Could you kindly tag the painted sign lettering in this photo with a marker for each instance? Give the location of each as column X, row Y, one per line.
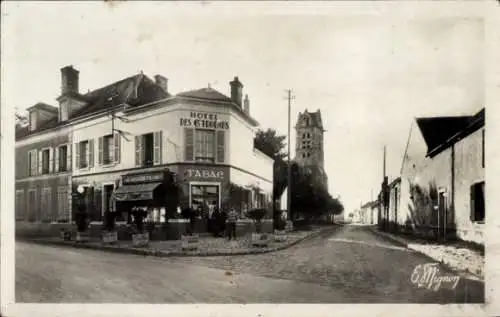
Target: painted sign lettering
column 146, row 178
column 203, row 174
column 204, row 120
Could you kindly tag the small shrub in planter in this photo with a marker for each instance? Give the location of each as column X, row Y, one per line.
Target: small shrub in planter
column 65, row 234
column 189, row 240
column 139, row 238
column 258, row 238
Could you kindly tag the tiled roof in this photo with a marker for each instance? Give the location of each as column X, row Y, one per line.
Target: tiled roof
column 44, row 106
column 438, row 132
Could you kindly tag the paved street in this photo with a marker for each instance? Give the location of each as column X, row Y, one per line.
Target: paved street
column 350, row 265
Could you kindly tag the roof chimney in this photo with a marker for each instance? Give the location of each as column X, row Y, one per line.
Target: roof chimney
column 246, row 105
column 69, row 80
column 162, row 82
column 236, row 91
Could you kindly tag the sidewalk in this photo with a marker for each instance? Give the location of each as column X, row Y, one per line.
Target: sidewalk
column 208, row 246
column 463, row 260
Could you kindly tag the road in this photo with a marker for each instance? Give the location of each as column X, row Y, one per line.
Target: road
column 348, row 265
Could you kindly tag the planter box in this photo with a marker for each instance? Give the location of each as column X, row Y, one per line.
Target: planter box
column 109, row 237
column 280, row 236
column 260, row 239
column 82, row 236
column 140, row 239
column 189, row 242
column 66, row 235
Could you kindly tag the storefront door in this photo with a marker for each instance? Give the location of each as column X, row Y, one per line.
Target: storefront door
column 205, row 197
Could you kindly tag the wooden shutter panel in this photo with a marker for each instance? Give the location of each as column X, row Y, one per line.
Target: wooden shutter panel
column 138, row 150
column 56, row 160
column 77, row 155
column 91, row 153
column 189, row 144
column 117, row 145
column 101, row 153
column 220, row 146
column 157, row 148
column 51, row 160
column 472, row 203
column 40, row 162
column 69, row 156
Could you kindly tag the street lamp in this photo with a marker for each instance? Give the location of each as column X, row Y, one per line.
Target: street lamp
column 80, row 189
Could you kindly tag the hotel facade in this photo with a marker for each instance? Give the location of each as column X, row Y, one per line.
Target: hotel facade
column 121, row 141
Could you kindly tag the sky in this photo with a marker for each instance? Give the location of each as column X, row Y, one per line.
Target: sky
column 370, row 70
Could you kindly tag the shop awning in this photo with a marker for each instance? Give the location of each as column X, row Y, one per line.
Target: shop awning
column 135, row 192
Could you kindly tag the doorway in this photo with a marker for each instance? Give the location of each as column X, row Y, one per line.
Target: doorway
column 205, row 197
column 442, row 216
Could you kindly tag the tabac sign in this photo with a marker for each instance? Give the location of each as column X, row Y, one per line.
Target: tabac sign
column 205, row 173
column 143, row 178
column 204, row 120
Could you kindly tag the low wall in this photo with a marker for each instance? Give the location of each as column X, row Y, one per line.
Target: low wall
column 160, row 231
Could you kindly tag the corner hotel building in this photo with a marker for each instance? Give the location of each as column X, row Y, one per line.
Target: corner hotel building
column 117, row 141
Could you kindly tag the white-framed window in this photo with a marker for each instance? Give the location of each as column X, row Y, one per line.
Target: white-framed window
column 62, row 158
column 33, row 162
column 202, row 145
column 46, row 161
column 84, row 156
column 148, row 148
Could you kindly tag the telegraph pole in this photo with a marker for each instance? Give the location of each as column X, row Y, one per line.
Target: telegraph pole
column 289, row 191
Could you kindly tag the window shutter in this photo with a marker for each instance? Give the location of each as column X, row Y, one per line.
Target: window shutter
column 68, row 156
column 77, row 155
column 157, row 148
column 117, row 145
column 189, row 144
column 56, row 160
column 220, row 146
column 101, row 154
column 472, row 203
column 40, row 162
column 51, row 160
column 138, row 150
column 91, row 153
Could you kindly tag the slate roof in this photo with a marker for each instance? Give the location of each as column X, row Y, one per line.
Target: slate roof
column 205, row 93
column 135, row 91
column 440, row 132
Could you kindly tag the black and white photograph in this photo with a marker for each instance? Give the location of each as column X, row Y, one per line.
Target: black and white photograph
column 209, row 153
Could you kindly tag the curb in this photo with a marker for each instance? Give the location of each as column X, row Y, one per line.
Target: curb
column 440, row 261
column 160, row 253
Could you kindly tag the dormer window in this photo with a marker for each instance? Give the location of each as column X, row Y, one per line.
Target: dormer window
column 33, row 121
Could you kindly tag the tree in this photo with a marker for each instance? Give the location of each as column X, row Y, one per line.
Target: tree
column 21, row 119
column 273, row 145
column 270, row 143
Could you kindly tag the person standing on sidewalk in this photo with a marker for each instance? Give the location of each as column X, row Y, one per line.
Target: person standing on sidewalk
column 232, row 217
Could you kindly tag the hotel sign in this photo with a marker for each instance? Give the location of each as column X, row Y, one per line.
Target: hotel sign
column 143, row 178
column 204, row 120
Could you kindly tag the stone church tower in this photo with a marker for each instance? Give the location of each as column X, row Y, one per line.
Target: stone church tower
column 309, row 150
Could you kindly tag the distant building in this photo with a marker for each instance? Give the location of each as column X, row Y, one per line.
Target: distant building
column 309, row 150
column 442, row 177
column 369, row 213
